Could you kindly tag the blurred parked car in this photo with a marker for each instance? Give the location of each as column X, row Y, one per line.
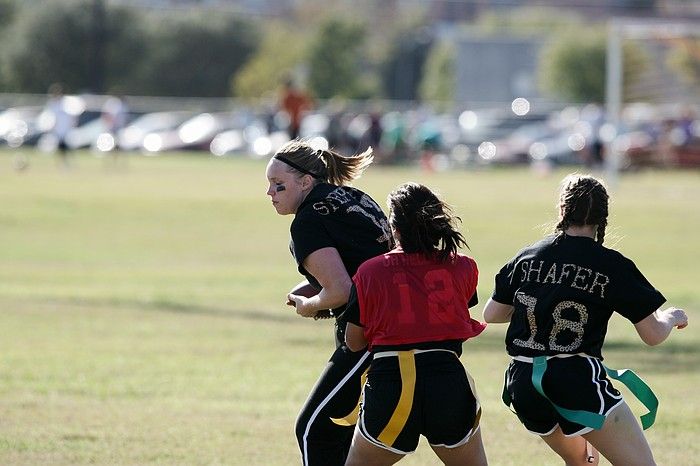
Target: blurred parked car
column 563, row 148
column 515, row 147
column 89, row 134
column 19, row 125
column 196, row 133
column 668, row 143
column 258, row 136
column 132, row 137
column 482, row 126
column 314, row 124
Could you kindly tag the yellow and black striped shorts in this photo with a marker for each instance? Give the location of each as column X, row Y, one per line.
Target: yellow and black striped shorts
column 418, row 392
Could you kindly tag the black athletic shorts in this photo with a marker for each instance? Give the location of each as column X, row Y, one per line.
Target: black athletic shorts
column 577, row 382
column 418, row 392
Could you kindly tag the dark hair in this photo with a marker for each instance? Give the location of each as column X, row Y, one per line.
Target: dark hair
column 583, row 200
column 326, row 165
column 424, row 222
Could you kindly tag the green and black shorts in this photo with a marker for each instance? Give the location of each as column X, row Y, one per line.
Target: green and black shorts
column 574, row 382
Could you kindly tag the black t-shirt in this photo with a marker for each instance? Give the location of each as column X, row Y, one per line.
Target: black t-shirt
column 343, row 218
column 564, row 290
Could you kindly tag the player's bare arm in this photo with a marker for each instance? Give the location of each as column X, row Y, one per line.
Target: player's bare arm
column 656, row 327
column 326, row 265
column 497, row 313
column 355, row 337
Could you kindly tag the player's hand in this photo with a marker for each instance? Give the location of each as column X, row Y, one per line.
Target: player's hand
column 301, row 305
column 678, row 317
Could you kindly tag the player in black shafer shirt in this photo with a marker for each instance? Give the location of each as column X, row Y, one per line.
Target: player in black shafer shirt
column 558, row 296
column 335, row 229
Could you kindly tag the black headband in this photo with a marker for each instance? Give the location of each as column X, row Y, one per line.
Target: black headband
column 284, row 159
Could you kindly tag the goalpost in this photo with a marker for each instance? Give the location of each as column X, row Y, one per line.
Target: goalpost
column 659, row 88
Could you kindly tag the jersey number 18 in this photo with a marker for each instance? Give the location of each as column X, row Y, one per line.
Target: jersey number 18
column 560, row 324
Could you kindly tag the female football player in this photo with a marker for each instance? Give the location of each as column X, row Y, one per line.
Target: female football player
column 335, row 229
column 558, row 296
column 411, row 307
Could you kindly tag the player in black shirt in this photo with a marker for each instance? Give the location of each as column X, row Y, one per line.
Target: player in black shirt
column 335, row 229
column 558, row 296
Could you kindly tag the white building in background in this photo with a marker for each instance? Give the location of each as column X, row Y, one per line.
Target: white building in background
column 495, row 69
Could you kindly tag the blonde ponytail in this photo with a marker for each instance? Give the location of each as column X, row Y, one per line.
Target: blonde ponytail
column 324, row 165
column 343, row 170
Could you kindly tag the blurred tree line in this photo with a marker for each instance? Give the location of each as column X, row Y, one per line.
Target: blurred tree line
column 88, row 46
column 93, row 46
column 353, row 50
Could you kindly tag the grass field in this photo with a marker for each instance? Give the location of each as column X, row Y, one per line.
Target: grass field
column 142, row 316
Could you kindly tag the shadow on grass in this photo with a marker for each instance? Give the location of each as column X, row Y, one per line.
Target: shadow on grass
column 285, row 316
column 312, row 342
column 669, row 357
column 194, row 309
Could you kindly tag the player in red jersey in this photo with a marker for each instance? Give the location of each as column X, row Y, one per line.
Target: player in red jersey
column 557, row 296
column 410, row 306
column 294, row 102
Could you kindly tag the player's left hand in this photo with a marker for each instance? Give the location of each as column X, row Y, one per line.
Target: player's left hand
column 301, row 305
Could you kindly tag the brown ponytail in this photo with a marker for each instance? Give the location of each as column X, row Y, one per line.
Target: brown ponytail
column 583, row 201
column 424, row 222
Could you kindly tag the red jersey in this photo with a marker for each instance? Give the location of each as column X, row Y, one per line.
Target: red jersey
column 410, row 298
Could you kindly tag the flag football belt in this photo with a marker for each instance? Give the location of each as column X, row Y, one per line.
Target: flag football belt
column 587, row 418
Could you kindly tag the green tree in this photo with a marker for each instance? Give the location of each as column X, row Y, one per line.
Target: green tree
column 7, row 13
column 292, row 47
column 573, row 65
column 283, row 49
column 58, row 43
column 194, row 55
column 438, row 83
column 336, row 66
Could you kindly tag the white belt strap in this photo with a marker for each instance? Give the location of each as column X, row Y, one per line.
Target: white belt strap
column 531, row 360
column 386, row 354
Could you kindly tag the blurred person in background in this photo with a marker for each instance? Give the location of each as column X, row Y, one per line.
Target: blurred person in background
column 429, row 142
column 394, row 135
column 336, row 132
column 295, row 103
column 411, row 307
column 686, row 125
column 62, row 121
column 372, row 137
column 335, row 229
column 115, row 114
column 666, row 143
column 558, row 296
column 596, row 152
